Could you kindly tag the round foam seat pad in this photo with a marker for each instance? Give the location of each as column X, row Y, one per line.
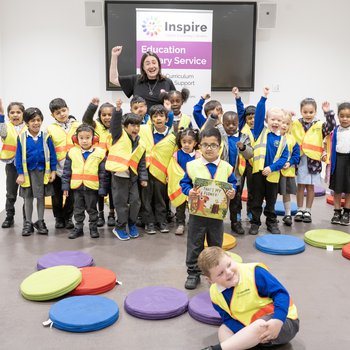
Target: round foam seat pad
column 95, row 280
column 279, row 244
column 50, row 283
column 67, row 257
column 330, row 200
column 228, row 242
column 84, row 313
column 322, row 238
column 235, row 257
column 318, row 190
column 156, row 303
column 346, row 251
column 244, row 195
column 279, row 208
column 201, row 309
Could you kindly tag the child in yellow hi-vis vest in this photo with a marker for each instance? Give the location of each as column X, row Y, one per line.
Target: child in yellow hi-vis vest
column 270, row 155
column 8, row 133
column 254, row 306
column 84, row 173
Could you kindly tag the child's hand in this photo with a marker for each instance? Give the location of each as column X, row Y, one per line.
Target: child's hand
column 324, row 156
column 143, row 183
column 20, row 179
column 52, row 176
column 118, row 104
column 266, row 171
column 272, row 329
column 235, row 92
column 286, row 166
column 95, row 101
column 167, row 105
column 206, row 97
column 65, row 193
column 240, row 145
column 194, row 193
column 326, row 106
column 230, row 194
column 266, row 91
column 1, row 107
column 117, row 50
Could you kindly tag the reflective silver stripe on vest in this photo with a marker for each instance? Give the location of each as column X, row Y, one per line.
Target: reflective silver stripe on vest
column 260, row 145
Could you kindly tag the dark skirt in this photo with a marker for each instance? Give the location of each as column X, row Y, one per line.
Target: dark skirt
column 340, row 179
column 37, row 188
column 287, row 185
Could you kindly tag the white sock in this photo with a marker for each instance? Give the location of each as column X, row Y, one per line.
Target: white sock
column 287, row 208
column 308, row 209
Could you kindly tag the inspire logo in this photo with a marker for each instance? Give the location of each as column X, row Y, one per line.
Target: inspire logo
column 151, row 26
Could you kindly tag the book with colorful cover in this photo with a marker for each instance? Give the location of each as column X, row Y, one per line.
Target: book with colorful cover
column 212, row 201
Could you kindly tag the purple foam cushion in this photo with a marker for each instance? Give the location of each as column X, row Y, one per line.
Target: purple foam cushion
column 67, row 257
column 156, row 303
column 319, row 191
column 201, row 309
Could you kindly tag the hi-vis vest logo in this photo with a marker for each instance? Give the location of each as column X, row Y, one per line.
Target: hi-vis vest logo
column 151, row 26
column 276, row 143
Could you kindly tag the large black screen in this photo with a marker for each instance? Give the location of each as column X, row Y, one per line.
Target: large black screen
column 234, row 26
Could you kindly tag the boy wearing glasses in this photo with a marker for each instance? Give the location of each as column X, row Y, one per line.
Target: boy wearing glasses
column 208, row 166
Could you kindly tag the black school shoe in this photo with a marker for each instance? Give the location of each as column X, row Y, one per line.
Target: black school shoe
column 299, row 216
column 41, row 228
column 94, row 233
column 192, row 281
column 345, row 220
column 75, row 233
column 101, row 219
column 8, row 222
column 28, row 228
column 236, row 227
column 336, row 219
column 60, row 223
column 69, row 224
column 307, row 217
column 273, row 228
column 254, row 229
column 287, row 220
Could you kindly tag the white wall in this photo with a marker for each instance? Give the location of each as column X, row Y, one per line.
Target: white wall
column 47, row 52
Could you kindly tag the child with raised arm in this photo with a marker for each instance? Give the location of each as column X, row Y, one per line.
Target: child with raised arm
column 236, row 149
column 270, row 155
column 9, row 133
column 208, row 166
column 84, row 173
column 309, row 133
column 61, row 132
column 101, row 126
column 36, row 168
column 340, row 165
column 126, row 161
column 210, row 107
column 254, row 306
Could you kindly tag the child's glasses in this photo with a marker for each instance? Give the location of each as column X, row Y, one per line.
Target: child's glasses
column 211, row 146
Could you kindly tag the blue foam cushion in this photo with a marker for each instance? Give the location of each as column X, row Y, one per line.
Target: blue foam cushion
column 279, row 208
column 280, row 244
column 84, row 313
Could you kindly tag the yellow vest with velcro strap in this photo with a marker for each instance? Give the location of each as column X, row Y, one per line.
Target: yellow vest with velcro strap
column 246, row 304
column 260, row 154
column 311, row 141
column 157, row 155
column 105, row 141
column 62, row 140
column 9, row 145
column 290, row 172
column 47, row 171
column 197, row 169
column 121, row 156
column 85, row 172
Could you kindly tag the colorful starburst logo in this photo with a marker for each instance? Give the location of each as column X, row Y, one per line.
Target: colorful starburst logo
column 151, row 26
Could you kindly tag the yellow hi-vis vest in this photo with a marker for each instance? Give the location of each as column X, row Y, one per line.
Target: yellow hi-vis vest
column 47, row 172
column 9, row 146
column 121, row 156
column 241, row 160
column 311, row 141
column 105, row 141
column 290, row 172
column 157, row 155
column 328, row 144
column 260, row 154
column 175, row 175
column 247, row 305
column 62, row 140
column 85, row 171
column 197, row 169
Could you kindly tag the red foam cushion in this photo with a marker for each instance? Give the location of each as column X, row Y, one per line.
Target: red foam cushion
column 346, row 251
column 330, row 200
column 244, row 196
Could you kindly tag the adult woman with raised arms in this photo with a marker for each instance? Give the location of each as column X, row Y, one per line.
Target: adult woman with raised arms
column 148, row 84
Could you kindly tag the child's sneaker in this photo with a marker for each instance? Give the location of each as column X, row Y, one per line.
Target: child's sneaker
column 8, row 222
column 111, row 220
column 41, row 228
column 287, row 219
column 273, row 228
column 345, row 219
column 254, row 229
column 163, row 227
column 28, row 228
column 180, row 230
column 133, row 231
column 192, row 281
column 150, row 229
column 121, row 234
column 299, row 216
column 336, row 219
column 236, row 227
column 75, row 233
column 94, row 233
column 307, row 217
column 101, row 219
